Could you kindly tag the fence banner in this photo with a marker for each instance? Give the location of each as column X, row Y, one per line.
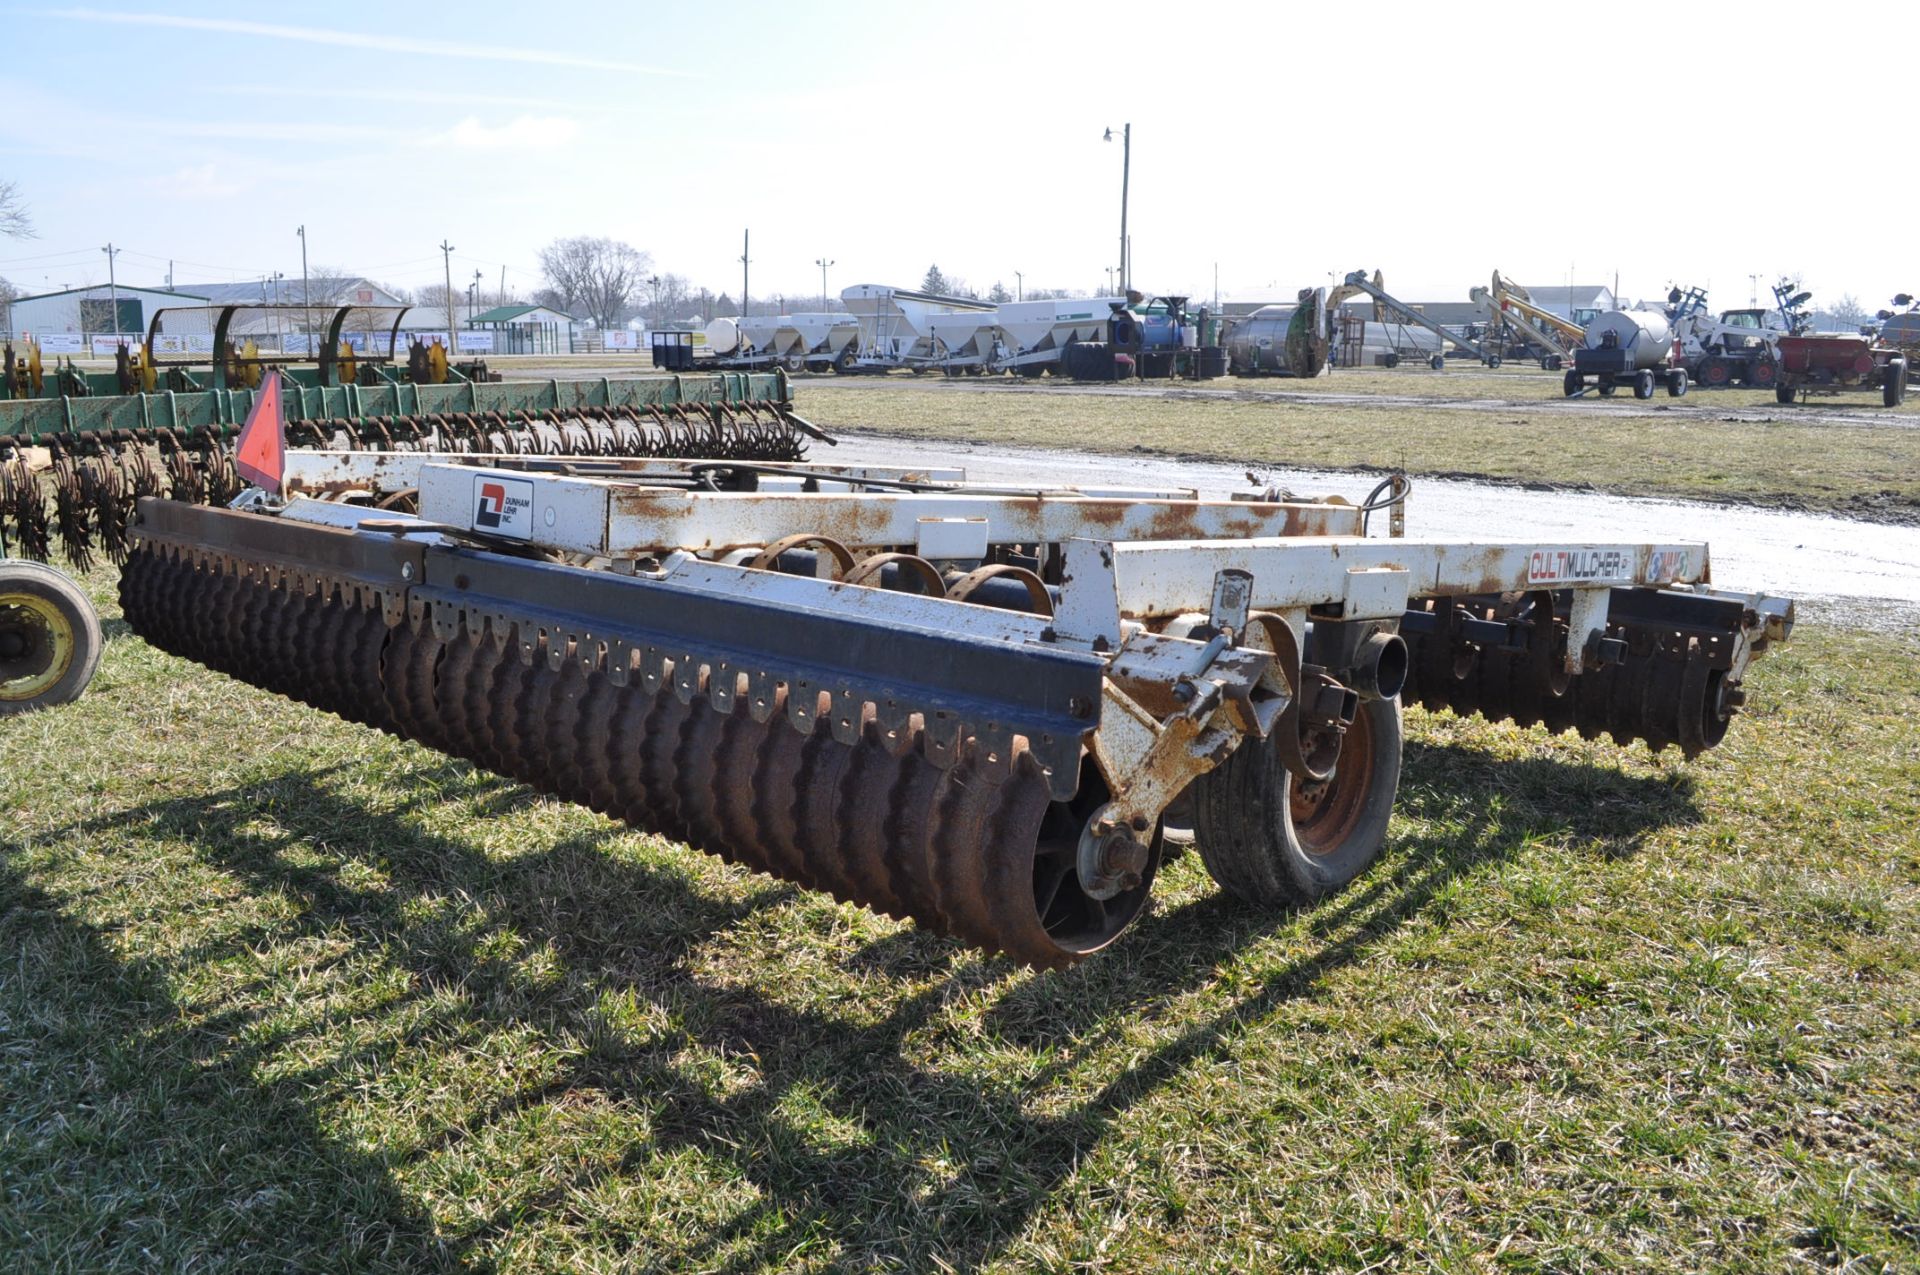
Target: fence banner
column 622, row 339
column 476, row 343
column 60, row 343
column 104, row 346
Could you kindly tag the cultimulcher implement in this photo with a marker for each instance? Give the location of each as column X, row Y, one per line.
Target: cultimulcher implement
column 970, row 706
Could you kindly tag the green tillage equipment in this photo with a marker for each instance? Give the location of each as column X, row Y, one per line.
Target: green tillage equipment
column 72, row 468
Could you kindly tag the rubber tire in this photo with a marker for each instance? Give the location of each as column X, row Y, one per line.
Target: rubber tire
column 1608, row 389
column 1893, row 389
column 1677, row 383
column 1643, row 385
column 1573, row 384
column 36, row 579
column 1783, row 393
column 1260, row 860
column 1438, row 363
column 1716, row 373
column 1762, row 373
column 1392, row 359
column 1493, row 364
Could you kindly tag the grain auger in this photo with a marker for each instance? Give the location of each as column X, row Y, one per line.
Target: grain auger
column 969, row 706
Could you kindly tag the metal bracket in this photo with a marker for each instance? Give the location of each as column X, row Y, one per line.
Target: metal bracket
column 1587, row 629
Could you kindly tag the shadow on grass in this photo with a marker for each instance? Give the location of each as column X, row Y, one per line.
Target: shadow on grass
column 136, row 1139
column 948, row 1168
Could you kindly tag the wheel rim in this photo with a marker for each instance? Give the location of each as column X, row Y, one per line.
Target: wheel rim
column 1326, row 814
column 1075, row 921
column 36, row 646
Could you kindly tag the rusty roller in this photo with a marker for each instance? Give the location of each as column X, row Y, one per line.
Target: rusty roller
column 972, row 845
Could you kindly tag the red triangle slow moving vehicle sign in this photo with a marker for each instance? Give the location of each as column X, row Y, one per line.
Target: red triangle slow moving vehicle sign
column 260, row 453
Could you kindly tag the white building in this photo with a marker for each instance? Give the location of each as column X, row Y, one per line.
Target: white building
column 62, row 322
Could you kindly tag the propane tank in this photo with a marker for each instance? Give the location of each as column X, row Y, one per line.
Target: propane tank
column 1645, row 335
column 723, row 336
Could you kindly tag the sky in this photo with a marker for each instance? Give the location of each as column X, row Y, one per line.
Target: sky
column 1277, row 144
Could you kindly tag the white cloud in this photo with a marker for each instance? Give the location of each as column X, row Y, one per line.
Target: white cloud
column 523, row 132
column 362, row 40
column 197, row 181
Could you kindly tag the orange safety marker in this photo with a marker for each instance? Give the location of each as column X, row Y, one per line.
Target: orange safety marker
column 261, row 452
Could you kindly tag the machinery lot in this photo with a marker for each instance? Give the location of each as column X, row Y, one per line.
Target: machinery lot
column 1505, row 426
column 333, row 1000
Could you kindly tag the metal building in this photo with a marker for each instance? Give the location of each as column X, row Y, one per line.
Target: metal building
column 65, row 322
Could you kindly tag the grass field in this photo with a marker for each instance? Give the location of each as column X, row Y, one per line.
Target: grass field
column 279, row 993
column 1873, row 471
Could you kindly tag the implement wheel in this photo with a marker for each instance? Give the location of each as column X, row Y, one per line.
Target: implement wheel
column 1783, row 393
column 1893, row 385
column 49, row 637
column 1268, row 839
column 1573, row 383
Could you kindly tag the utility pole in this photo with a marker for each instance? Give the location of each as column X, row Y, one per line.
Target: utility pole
column 1019, row 286
column 746, row 237
column 473, row 297
column 1126, row 174
column 113, row 287
column 446, row 254
column 823, row 263
column 306, row 298
column 1753, row 297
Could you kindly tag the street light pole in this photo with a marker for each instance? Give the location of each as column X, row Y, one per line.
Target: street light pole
column 823, row 263
column 746, row 239
column 306, row 299
column 1126, row 175
column 446, row 254
column 1019, row 286
column 113, row 287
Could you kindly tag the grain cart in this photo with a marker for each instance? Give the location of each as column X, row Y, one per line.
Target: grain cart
column 962, row 705
column 1635, row 348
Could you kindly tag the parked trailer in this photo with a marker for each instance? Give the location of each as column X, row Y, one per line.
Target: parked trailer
column 1032, row 334
column 793, row 342
column 1635, row 348
column 1832, row 363
column 967, row 707
column 895, row 325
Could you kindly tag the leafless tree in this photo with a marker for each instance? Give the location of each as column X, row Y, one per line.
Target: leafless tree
column 7, row 293
column 14, row 222
column 597, row 278
column 668, row 298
